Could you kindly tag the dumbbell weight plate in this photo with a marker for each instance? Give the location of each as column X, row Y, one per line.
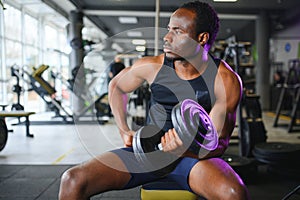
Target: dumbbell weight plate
column 194, row 126
column 205, row 128
column 186, row 130
column 243, row 166
column 184, row 134
column 277, row 153
column 145, row 147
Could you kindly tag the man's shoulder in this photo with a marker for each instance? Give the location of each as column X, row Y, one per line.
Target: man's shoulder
column 149, row 60
column 147, row 67
column 228, row 74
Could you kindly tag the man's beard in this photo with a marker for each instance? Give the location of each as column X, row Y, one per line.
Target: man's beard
column 180, row 58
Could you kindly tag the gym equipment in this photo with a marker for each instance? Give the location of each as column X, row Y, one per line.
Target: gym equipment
column 16, row 88
column 292, row 85
column 252, row 127
column 3, row 128
column 238, row 55
column 43, row 89
column 47, row 92
column 145, row 147
column 291, row 193
column 98, row 106
column 245, row 167
column 277, row 153
column 3, row 133
column 193, row 127
column 280, row 157
column 165, row 190
column 18, row 114
column 101, row 107
column 139, row 106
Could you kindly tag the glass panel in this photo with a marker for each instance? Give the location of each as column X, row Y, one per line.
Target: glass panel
column 63, row 43
column 31, row 30
column 50, row 38
column 31, row 56
column 13, row 53
column 12, row 23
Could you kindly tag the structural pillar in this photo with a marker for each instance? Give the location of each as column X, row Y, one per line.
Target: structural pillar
column 263, row 63
column 76, row 58
column 157, row 12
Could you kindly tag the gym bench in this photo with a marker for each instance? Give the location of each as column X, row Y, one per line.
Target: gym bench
column 19, row 113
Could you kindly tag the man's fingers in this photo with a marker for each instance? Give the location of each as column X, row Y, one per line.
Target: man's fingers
column 171, row 141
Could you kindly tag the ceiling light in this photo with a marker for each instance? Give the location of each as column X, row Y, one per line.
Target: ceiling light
column 140, row 48
column 127, row 20
column 138, row 42
column 225, row 0
column 134, row 34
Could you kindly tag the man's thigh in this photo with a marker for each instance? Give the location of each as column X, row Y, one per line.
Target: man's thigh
column 212, row 177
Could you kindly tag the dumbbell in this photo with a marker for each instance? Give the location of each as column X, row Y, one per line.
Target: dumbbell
column 146, row 150
column 193, row 126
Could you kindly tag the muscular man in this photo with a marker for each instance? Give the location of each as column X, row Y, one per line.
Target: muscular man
column 185, row 70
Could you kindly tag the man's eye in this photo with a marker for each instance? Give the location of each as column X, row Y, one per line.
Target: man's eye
column 178, row 32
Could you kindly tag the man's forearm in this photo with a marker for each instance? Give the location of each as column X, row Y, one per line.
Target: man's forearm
column 117, row 106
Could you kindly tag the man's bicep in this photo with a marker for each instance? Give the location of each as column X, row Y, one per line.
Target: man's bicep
column 224, row 120
column 228, row 93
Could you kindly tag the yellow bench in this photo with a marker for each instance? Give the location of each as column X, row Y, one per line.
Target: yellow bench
column 165, row 191
column 19, row 113
column 167, row 195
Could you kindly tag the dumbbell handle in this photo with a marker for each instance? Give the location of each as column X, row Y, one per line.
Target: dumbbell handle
column 160, row 147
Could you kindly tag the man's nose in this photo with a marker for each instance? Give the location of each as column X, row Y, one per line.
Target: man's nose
column 167, row 37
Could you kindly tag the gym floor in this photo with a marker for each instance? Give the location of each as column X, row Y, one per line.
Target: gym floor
column 30, row 168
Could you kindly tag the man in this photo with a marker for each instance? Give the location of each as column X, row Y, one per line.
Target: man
column 191, row 31
column 115, row 67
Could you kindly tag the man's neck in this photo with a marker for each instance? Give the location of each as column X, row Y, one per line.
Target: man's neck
column 198, row 61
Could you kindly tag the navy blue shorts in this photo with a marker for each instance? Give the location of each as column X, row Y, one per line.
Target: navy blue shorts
column 179, row 175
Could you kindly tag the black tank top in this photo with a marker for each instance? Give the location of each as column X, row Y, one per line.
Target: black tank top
column 168, row 89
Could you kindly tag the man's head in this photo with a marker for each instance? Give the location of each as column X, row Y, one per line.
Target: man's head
column 118, row 59
column 191, row 26
column 206, row 21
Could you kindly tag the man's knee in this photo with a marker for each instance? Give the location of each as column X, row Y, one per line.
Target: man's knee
column 72, row 182
column 237, row 191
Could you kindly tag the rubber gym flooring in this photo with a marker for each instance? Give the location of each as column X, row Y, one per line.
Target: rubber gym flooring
column 30, row 168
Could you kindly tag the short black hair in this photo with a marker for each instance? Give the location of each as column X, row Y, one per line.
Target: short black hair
column 207, row 19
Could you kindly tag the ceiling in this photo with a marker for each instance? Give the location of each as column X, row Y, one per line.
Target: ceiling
column 236, row 18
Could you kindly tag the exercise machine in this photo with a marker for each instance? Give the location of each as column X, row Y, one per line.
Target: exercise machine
column 43, row 89
column 290, row 88
column 47, row 92
column 17, row 88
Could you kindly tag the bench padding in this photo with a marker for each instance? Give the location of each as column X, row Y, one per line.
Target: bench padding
column 15, row 113
column 19, row 113
column 167, row 195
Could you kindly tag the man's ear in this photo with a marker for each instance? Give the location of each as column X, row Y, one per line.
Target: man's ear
column 203, row 38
